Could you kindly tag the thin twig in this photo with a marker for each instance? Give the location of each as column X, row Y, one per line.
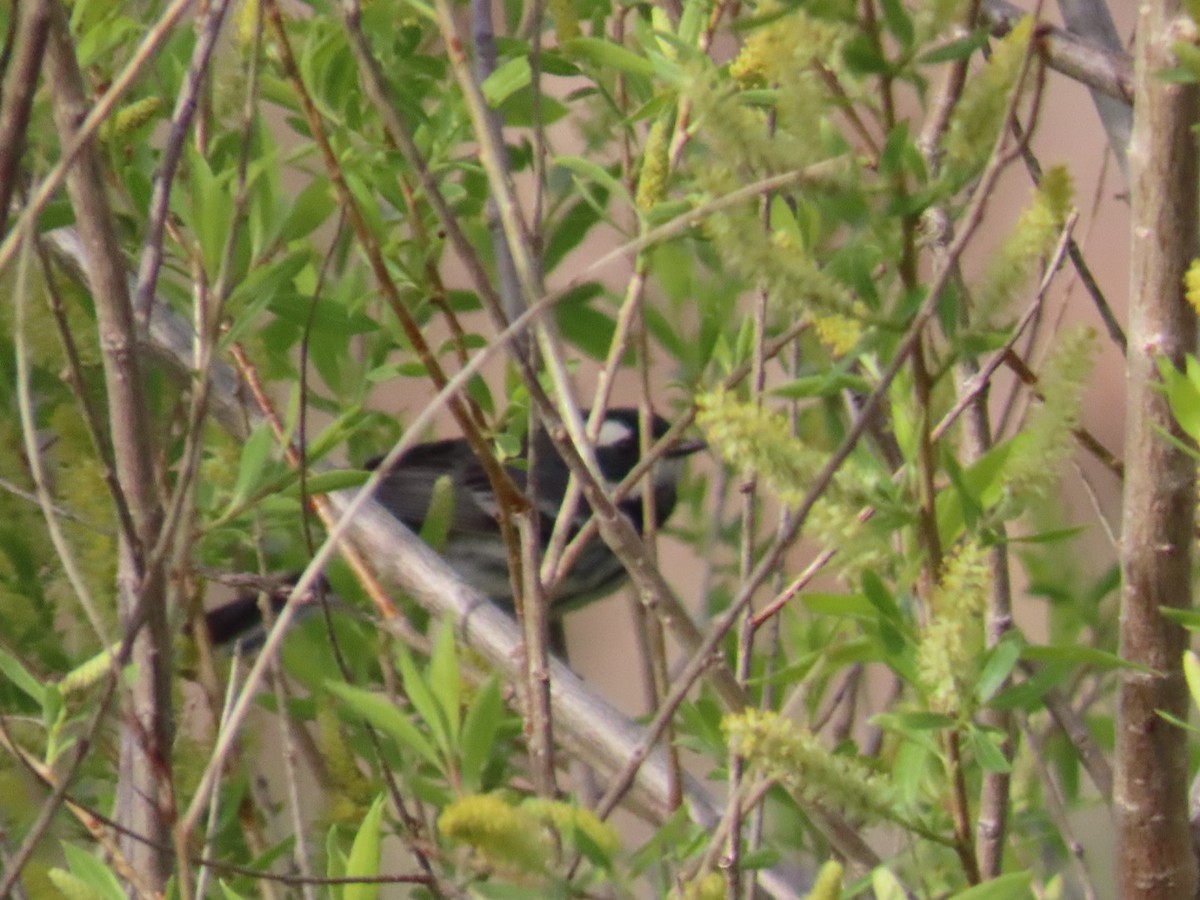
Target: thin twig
column 209, row 29
column 86, row 129
column 28, row 29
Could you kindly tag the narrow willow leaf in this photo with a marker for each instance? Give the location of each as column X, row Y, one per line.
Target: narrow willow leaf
column 480, row 727
column 364, row 855
column 445, row 680
column 608, row 55
column 506, row 80
column 11, row 667
column 379, row 712
column 419, row 694
column 93, row 872
column 1191, row 671
column 1015, row 886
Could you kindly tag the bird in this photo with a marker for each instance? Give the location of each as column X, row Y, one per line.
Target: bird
column 473, row 544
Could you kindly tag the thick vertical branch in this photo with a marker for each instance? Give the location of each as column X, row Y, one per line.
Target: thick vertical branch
column 16, row 98
column 144, row 800
column 1156, row 858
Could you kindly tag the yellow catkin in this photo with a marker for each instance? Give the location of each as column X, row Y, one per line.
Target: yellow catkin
column 778, row 748
column 135, row 115
column 565, row 817
column 829, row 882
column 1191, row 283
column 652, row 185
column 566, row 20
column 949, row 655
column 504, row 835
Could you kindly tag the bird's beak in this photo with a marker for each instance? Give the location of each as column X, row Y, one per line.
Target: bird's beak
column 686, row 448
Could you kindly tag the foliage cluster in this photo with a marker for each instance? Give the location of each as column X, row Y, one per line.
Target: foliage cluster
column 793, row 217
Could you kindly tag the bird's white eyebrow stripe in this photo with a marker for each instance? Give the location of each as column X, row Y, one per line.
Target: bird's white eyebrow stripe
column 613, row 432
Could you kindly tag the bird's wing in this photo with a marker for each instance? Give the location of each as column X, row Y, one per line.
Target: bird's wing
column 408, row 488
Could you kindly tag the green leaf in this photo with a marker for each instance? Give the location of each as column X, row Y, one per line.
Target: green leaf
column 480, row 727
column 506, row 80
column 828, row 383
column 335, row 858
column 308, row 211
column 854, row 605
column 228, row 892
column 986, row 746
column 326, row 482
column 1183, row 393
column 93, row 872
column 72, row 887
column 1078, row 654
column 913, row 722
column 378, row 710
column 898, row 21
column 1188, row 70
column 1001, row 661
column 1188, row 618
column 1178, row 722
column 211, row 211
column 589, row 171
column 582, row 324
column 608, row 55
column 1191, row 671
column 952, row 51
column 22, row 677
column 881, row 598
column 1052, row 536
column 421, row 697
column 445, row 678
column 862, row 57
column 256, row 454
column 435, row 528
column 978, row 487
column 886, row 886
column 363, row 861
column 1015, row 886
column 1029, row 693
column 570, row 229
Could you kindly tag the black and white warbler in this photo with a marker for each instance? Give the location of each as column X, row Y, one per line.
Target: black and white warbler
column 473, row 545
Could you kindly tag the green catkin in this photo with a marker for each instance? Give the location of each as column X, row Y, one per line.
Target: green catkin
column 135, row 115
column 565, row 818
column 652, row 185
column 1046, row 440
column 709, row 886
column 980, row 113
column 951, row 644
column 566, row 19
column 502, row 834
column 778, row 748
column 756, row 440
column 829, row 882
column 1191, row 284
column 1031, row 240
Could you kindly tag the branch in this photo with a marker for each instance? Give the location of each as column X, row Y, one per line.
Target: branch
column 144, row 789
column 1155, row 858
column 1109, row 73
column 17, row 99
column 599, row 734
column 1091, row 21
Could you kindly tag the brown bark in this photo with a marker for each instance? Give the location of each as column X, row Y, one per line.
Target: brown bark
column 1155, row 852
column 144, row 802
column 16, row 100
